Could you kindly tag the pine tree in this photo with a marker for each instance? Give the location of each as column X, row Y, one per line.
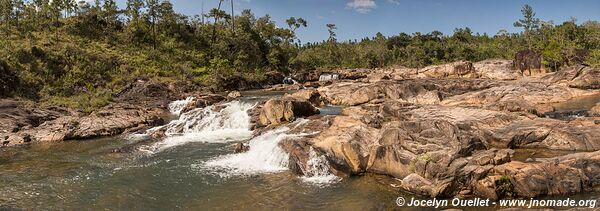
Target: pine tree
column 529, row 23
column 168, row 17
column 133, row 10
column 331, row 29
column 19, row 8
column 70, row 6
column 153, row 15
column 55, row 11
column 6, row 7
column 216, row 13
column 110, row 12
column 294, row 24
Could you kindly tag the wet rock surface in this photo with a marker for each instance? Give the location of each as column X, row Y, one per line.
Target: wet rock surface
column 446, row 137
column 241, row 147
column 234, row 95
column 204, row 101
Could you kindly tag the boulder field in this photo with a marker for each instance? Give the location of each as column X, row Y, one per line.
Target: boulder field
column 450, row 130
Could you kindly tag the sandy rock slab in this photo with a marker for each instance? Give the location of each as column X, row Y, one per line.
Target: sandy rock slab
column 47, row 125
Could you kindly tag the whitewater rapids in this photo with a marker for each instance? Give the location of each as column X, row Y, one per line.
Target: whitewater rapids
column 230, row 122
column 224, row 123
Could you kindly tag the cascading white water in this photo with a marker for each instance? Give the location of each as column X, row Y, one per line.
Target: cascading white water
column 264, row 156
column 318, row 171
column 328, row 77
column 177, row 106
column 230, row 122
column 229, row 116
column 213, row 124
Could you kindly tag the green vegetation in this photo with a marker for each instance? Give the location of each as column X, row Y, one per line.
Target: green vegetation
column 504, row 186
column 424, row 157
column 76, row 54
column 557, row 42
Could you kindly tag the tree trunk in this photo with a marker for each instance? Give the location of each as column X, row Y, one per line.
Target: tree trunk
column 153, row 32
column 214, row 34
column 56, row 28
column 17, row 20
column 232, row 19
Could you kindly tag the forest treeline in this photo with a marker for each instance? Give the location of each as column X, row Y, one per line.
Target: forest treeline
column 79, row 54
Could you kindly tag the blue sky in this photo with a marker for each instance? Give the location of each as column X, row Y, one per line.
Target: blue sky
column 356, row 19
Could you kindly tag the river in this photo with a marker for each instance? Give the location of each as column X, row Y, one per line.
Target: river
column 194, row 168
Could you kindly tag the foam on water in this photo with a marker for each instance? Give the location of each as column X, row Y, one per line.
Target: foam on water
column 225, row 123
column 232, row 116
column 230, row 122
column 264, row 156
column 318, row 170
column 329, row 77
column 177, row 106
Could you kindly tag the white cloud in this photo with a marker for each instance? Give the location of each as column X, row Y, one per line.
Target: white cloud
column 362, row 6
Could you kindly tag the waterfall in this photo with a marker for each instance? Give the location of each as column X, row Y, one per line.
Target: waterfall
column 264, row 156
column 213, row 124
column 328, row 77
column 230, row 122
column 231, row 116
column 176, row 107
column 318, row 171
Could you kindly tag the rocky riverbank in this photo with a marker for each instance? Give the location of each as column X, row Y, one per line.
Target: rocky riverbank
column 139, row 106
column 451, row 130
column 444, row 131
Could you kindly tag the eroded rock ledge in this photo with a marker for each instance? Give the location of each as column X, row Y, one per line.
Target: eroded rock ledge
column 57, row 124
column 140, row 105
column 454, row 137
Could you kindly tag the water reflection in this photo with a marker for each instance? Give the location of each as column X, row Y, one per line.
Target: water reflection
column 574, row 108
column 330, row 110
column 578, row 103
column 88, row 175
column 84, row 175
